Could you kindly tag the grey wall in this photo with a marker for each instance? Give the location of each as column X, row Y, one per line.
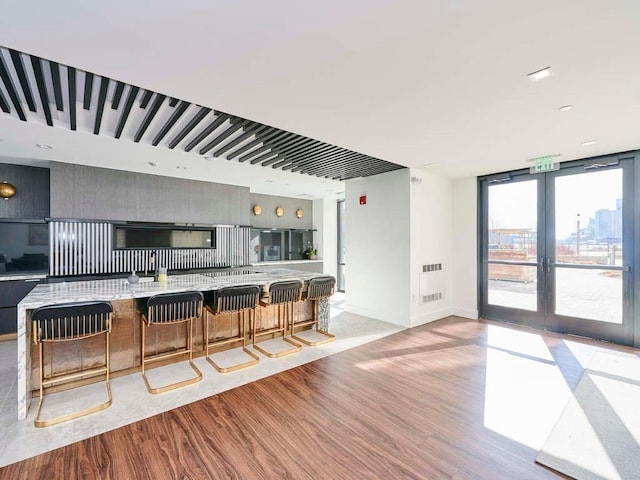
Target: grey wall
column 32, row 192
column 268, row 217
column 96, row 193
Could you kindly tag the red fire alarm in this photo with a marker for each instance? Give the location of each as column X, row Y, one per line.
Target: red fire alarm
column 363, row 199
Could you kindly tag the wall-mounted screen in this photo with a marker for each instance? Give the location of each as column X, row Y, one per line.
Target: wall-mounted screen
column 24, row 247
column 132, row 236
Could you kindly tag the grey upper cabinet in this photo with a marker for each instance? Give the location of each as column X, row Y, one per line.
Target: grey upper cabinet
column 96, row 193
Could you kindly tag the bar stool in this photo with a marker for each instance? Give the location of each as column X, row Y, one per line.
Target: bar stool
column 319, row 288
column 283, row 295
column 171, row 309
column 65, row 323
column 240, row 300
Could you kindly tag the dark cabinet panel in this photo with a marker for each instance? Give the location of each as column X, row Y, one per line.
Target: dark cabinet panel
column 8, row 320
column 11, row 293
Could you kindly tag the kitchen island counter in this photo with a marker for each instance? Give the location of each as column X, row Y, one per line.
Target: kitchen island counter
column 119, row 289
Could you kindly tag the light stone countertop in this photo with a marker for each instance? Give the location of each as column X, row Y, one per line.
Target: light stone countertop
column 119, row 289
column 25, row 276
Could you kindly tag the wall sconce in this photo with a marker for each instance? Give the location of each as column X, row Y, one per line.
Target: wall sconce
column 299, row 213
column 7, row 190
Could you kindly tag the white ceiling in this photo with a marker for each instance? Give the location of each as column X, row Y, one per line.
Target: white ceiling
column 438, row 83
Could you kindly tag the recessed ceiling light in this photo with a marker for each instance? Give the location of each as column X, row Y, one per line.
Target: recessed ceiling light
column 209, row 157
column 43, row 146
column 153, row 164
column 589, row 142
column 181, row 167
column 540, row 74
column 268, row 181
column 565, row 108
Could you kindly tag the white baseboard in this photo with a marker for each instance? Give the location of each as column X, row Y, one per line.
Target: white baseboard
column 464, row 312
column 376, row 314
column 430, row 316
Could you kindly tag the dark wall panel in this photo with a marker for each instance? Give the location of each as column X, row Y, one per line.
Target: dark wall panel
column 96, row 193
column 32, row 192
column 268, row 217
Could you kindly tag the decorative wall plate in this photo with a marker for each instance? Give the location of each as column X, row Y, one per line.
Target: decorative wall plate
column 279, row 211
column 299, row 213
column 257, row 209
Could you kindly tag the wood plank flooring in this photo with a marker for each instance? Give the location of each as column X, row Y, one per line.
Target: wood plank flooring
column 408, row 406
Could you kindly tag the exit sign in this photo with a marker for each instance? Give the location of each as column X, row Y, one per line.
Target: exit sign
column 545, row 164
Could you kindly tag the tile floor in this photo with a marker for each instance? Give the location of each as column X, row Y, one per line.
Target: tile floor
column 132, row 402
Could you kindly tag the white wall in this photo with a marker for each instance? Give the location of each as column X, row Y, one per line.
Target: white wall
column 431, row 240
column 465, row 261
column 325, row 220
column 378, row 247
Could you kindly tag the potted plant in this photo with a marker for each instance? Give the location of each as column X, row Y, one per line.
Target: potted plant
column 311, row 252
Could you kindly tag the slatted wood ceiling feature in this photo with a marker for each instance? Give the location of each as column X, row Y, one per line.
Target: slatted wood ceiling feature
column 42, row 91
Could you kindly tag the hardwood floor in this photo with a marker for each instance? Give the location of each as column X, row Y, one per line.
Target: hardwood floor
column 411, row 405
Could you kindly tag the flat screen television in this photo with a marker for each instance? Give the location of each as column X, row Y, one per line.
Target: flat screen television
column 24, row 247
column 143, row 236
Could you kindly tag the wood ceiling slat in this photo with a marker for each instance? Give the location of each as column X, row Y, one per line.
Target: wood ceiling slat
column 311, row 155
column 57, row 85
column 88, row 87
column 13, row 95
column 117, row 95
column 279, row 164
column 289, row 146
column 266, row 134
column 3, row 104
column 133, row 92
column 71, row 81
column 157, row 103
column 326, row 160
column 203, row 112
column 281, row 140
column 146, row 98
column 209, row 129
column 252, row 129
column 16, row 58
column 280, row 158
column 175, row 116
column 36, row 63
column 102, row 97
column 224, row 135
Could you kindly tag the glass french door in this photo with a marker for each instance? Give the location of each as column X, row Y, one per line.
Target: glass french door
column 557, row 249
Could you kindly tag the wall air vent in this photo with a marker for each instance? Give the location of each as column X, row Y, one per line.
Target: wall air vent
column 432, row 282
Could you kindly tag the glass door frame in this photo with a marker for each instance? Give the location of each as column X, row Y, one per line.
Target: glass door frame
column 617, row 333
column 340, row 280
column 544, row 317
column 535, row 318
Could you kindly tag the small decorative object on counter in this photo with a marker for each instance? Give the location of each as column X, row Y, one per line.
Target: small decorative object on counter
column 311, row 252
column 133, row 278
column 162, row 275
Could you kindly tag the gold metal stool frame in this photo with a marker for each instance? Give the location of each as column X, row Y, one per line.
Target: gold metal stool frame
column 64, row 323
column 240, row 299
column 171, row 309
column 318, row 288
column 283, row 295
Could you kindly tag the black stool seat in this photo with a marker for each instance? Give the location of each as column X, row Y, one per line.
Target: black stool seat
column 71, row 322
column 283, row 295
column 319, row 288
column 168, row 309
column 240, row 300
